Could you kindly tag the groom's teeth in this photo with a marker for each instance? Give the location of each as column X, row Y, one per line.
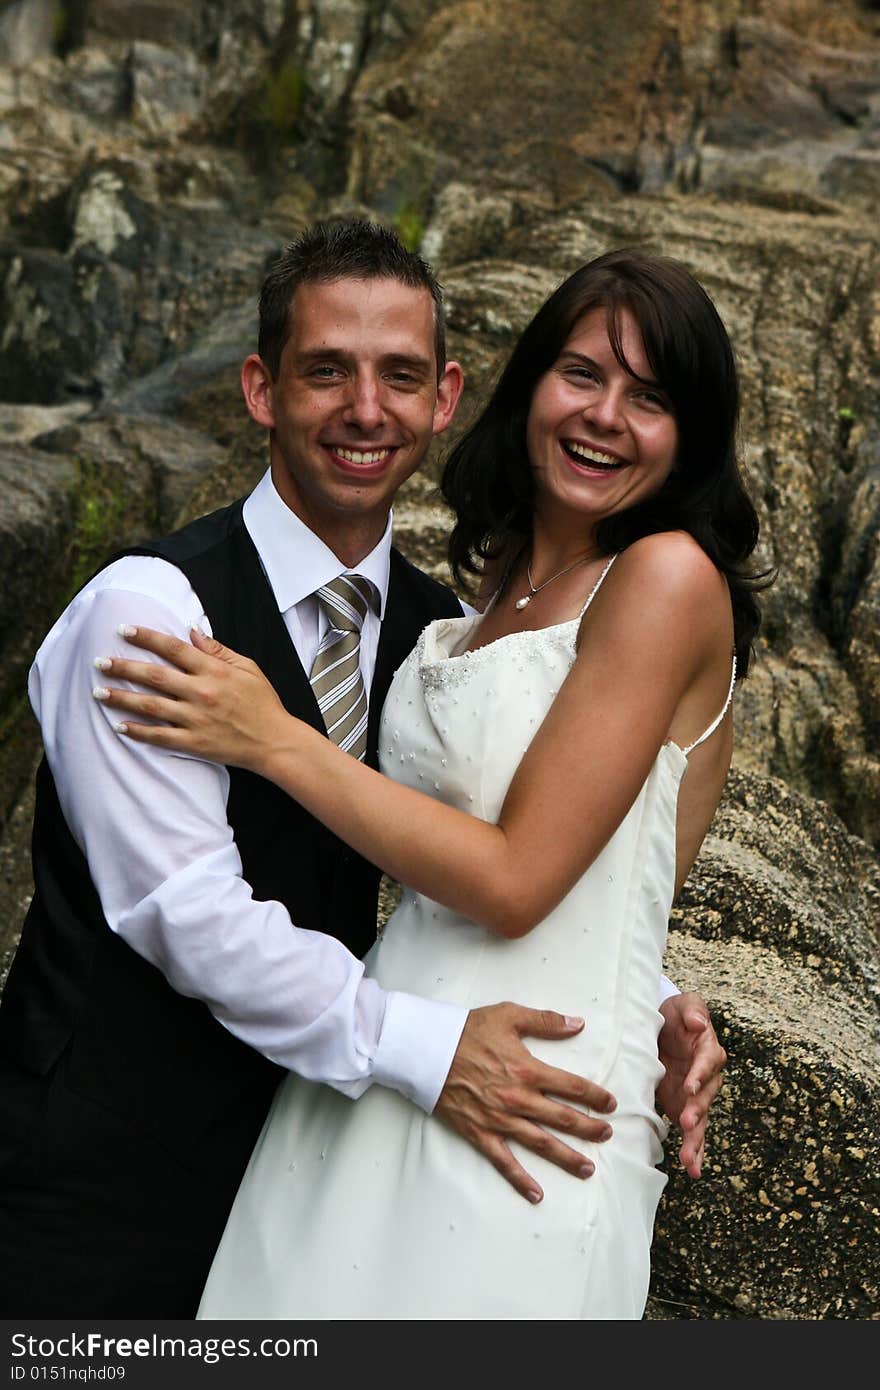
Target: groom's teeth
column 358, row 456
column 593, row 455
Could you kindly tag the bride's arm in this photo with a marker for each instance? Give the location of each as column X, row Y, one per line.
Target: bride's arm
column 660, row 623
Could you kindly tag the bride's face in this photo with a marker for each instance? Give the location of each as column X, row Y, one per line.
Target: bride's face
column 599, row 439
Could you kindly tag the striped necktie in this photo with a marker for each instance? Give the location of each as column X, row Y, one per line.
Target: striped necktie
column 336, row 671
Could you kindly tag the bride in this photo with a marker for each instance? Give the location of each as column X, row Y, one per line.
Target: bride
column 551, row 767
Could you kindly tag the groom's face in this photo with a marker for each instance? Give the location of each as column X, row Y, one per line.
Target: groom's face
column 355, row 404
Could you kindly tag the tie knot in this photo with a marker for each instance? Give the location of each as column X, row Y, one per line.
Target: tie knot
column 345, row 601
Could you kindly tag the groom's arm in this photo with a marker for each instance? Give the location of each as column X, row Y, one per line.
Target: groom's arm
column 163, row 858
column 153, row 827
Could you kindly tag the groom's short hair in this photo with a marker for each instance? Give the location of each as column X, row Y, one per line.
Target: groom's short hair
column 335, row 250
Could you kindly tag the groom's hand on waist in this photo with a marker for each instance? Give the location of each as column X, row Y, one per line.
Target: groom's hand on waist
column 693, row 1059
column 496, row 1091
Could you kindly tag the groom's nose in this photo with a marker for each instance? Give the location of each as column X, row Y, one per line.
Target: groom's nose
column 364, row 406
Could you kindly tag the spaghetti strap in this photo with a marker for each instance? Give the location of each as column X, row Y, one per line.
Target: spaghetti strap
column 598, row 584
column 718, row 718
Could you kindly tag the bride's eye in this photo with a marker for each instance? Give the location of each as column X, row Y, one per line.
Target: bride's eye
column 653, row 398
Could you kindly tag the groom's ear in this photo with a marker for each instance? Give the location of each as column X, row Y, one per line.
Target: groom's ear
column 257, row 384
column 449, row 389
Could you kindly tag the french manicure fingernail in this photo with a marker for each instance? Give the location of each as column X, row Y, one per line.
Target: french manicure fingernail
column 102, row 663
column 100, row 692
column 126, row 630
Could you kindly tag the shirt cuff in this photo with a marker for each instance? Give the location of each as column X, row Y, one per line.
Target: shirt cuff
column 667, row 990
column 417, row 1044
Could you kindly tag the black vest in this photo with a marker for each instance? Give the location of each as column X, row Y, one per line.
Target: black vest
column 136, row 1044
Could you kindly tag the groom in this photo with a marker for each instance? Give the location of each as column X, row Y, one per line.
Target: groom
column 193, row 933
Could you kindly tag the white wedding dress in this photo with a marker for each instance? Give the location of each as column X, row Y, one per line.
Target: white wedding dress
column 371, row 1209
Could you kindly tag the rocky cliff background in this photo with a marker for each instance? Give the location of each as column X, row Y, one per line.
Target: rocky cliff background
column 155, row 155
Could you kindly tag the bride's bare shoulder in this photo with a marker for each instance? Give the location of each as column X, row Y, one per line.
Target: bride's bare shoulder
column 672, row 566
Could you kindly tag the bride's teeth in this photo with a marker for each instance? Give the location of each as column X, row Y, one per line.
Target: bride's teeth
column 357, row 456
column 592, row 455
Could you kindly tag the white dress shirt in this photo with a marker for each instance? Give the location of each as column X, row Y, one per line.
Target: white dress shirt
column 152, row 824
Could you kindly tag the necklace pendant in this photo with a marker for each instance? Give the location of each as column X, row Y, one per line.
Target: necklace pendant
column 521, row 602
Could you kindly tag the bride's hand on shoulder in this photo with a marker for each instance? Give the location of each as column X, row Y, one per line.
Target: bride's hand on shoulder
column 211, row 702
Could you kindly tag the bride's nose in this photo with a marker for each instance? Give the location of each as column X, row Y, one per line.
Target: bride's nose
column 605, row 408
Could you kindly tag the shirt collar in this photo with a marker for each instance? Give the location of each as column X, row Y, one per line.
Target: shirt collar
column 296, row 561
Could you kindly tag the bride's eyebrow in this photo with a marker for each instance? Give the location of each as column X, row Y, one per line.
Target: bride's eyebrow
column 568, row 354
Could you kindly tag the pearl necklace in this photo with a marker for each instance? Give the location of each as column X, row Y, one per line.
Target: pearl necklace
column 526, row 599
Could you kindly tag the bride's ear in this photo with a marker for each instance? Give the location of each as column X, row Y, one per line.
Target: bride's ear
column 257, row 387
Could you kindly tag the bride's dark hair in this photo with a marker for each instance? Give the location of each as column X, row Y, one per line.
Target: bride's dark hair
column 488, row 478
